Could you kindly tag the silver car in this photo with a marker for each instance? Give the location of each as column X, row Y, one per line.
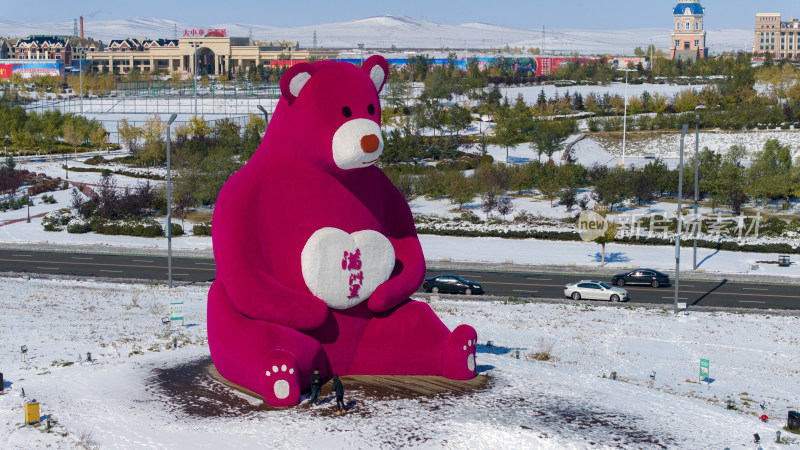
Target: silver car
column 594, row 290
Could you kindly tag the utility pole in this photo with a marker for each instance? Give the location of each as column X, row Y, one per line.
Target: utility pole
column 266, row 116
column 680, row 220
column 696, row 180
column 194, row 45
column 169, row 202
column 80, row 77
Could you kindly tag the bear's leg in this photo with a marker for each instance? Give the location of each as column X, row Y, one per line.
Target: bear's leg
column 411, row 340
column 273, row 360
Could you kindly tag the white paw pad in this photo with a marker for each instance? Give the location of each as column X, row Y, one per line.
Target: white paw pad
column 470, row 347
column 281, row 387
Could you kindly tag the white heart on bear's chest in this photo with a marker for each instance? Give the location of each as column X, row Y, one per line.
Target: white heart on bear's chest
column 345, row 269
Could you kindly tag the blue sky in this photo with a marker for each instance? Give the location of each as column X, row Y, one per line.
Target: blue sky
column 529, row 14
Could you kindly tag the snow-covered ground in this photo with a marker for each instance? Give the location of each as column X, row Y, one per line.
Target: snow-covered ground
column 607, row 149
column 136, row 394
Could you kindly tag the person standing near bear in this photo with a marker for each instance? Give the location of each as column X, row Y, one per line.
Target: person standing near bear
column 338, row 389
column 315, row 387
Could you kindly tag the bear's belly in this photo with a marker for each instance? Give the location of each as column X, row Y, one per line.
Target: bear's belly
column 345, row 269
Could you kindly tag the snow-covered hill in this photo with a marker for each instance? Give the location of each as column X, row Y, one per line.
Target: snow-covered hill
column 399, row 31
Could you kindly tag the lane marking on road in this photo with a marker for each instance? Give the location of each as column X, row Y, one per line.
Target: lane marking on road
column 180, row 274
column 141, row 260
column 79, row 257
column 750, row 301
column 687, row 285
column 685, row 292
column 111, row 271
column 540, row 279
column 520, row 290
column 24, row 256
column 205, row 264
column 754, row 289
column 105, row 265
column 48, row 268
column 679, row 298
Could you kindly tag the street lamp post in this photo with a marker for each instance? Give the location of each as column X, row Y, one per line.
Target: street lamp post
column 266, row 116
column 680, row 220
column 195, row 45
column 696, row 180
column 80, row 76
column 169, row 202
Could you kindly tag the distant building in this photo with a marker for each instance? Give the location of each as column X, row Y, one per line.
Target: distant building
column 216, row 54
column 775, row 37
column 688, row 35
column 43, row 47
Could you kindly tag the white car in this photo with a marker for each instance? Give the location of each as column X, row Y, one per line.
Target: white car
column 594, row 290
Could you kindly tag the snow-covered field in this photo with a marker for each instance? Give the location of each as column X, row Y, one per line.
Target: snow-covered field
column 135, row 392
column 607, row 149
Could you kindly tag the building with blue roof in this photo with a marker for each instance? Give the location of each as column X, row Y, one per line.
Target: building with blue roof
column 688, row 34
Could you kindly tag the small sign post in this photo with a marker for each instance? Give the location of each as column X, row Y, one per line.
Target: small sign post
column 176, row 312
column 705, row 371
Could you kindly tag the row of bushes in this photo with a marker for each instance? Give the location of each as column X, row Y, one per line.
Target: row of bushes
column 573, row 236
column 751, row 118
column 58, row 220
column 14, row 203
column 109, row 172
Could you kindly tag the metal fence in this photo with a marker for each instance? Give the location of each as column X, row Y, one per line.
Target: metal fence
column 205, row 105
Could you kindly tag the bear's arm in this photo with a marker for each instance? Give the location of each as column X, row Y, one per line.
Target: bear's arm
column 410, row 268
column 255, row 292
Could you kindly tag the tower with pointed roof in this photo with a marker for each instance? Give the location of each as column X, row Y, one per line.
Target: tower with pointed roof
column 688, row 35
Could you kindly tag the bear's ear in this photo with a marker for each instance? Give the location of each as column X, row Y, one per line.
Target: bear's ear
column 378, row 70
column 294, row 79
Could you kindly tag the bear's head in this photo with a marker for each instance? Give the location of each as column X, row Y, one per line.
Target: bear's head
column 332, row 112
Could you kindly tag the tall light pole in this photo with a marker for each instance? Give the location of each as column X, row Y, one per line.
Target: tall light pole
column 80, row 77
column 696, row 180
column 680, row 220
column 266, row 116
column 169, row 202
column 195, row 45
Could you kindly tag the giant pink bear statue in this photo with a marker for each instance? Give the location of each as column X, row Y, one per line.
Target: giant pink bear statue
column 317, row 253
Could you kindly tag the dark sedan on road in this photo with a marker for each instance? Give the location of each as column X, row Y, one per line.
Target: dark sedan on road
column 451, row 284
column 650, row 277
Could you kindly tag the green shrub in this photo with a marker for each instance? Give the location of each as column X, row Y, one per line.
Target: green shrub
column 95, row 160
column 202, row 229
column 49, row 199
column 77, row 227
column 471, row 217
column 56, row 220
column 176, row 229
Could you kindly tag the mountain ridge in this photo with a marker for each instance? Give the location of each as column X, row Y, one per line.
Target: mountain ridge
column 391, row 30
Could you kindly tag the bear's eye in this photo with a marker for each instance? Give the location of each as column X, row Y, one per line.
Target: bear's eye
column 346, row 112
column 371, row 109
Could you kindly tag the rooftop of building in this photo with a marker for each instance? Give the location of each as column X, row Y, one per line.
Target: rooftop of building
column 693, row 7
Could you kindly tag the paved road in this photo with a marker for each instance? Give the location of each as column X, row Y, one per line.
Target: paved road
column 722, row 293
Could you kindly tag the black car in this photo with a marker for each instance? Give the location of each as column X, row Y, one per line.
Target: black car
column 641, row 276
column 451, row 284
